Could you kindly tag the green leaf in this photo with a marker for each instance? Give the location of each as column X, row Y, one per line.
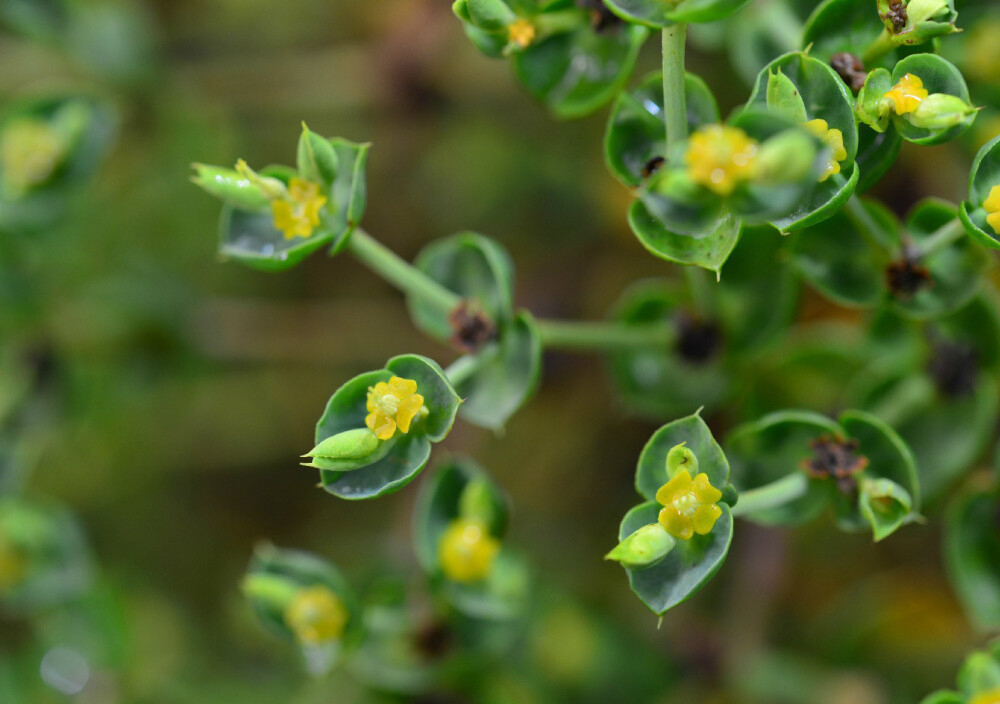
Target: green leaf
column 397, row 468
column 574, row 73
column 685, row 569
column 708, row 252
column 475, row 267
column 490, row 15
column 783, row 97
column 983, row 178
column 885, row 505
column 316, row 160
column 971, row 544
column 768, row 450
column 877, row 152
column 635, row 135
column 501, row 385
column 349, row 193
column 252, row 239
column 944, row 697
column 663, row 382
column 868, row 106
column 979, row 673
column 651, row 472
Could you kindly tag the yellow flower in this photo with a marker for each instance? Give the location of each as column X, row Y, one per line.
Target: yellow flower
column 832, row 138
column 521, row 32
column 467, row 550
column 992, row 205
column 907, row 95
column 316, row 615
column 12, row 565
column 297, row 214
column 393, row 404
column 990, row 697
column 30, row 152
column 689, row 505
column 719, row 157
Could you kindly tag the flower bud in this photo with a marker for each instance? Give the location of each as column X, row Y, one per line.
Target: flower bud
column 643, row 548
column 786, row 158
column 351, row 449
column 941, row 111
column 679, row 458
column 230, row 186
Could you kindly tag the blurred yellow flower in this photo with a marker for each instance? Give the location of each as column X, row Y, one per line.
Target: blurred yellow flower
column 719, row 157
column 30, row 152
column 992, row 205
column 907, row 95
column 467, row 550
column 316, row 615
column 990, row 697
column 521, row 32
column 297, row 214
column 393, row 404
column 689, row 505
column 832, row 138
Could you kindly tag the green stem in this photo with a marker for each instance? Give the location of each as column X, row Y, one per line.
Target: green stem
column 468, row 364
column 882, row 45
column 399, row 272
column 674, row 101
column 862, row 219
column 773, row 495
column 942, row 237
column 604, row 336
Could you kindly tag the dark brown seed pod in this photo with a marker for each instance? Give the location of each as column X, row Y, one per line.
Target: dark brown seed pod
column 850, row 68
column 471, row 327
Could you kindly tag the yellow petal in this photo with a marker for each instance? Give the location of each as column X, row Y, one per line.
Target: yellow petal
column 466, row 550
column 407, row 410
column 704, row 491
column 316, row 615
column 382, row 425
column 907, row 95
column 994, row 222
column 704, row 518
column 676, row 523
column 284, row 219
column 992, row 202
column 402, row 387
column 680, row 484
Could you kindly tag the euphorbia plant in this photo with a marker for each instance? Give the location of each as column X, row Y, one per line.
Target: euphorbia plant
column 765, row 198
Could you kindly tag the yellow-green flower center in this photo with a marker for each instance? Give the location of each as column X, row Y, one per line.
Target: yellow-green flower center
column 391, row 405
column 689, row 505
column 297, row 214
column 907, row 94
column 316, row 615
column 467, row 551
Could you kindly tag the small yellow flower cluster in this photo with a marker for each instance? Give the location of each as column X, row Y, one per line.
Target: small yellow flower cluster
column 907, row 94
column 720, row 157
column 690, row 505
column 521, row 32
column 30, row 152
column 832, row 138
column 297, row 215
column 391, row 405
column 12, row 565
column 316, row 615
column 992, row 206
column 466, row 550
column 990, row 697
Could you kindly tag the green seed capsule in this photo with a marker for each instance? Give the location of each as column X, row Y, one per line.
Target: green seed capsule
column 940, row 111
column 351, row 449
column 681, row 457
column 230, row 186
column 644, row 548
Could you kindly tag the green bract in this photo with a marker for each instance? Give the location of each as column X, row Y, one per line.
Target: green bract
column 939, row 77
column 803, row 88
column 405, row 454
column 562, row 57
column 863, row 257
column 247, row 230
column 49, row 147
column 856, row 466
column 462, row 489
column 503, row 361
column 689, row 564
column 983, row 178
column 660, row 13
column 273, row 579
column 971, row 545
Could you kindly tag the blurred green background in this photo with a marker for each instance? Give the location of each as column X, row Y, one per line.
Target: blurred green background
column 175, row 394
